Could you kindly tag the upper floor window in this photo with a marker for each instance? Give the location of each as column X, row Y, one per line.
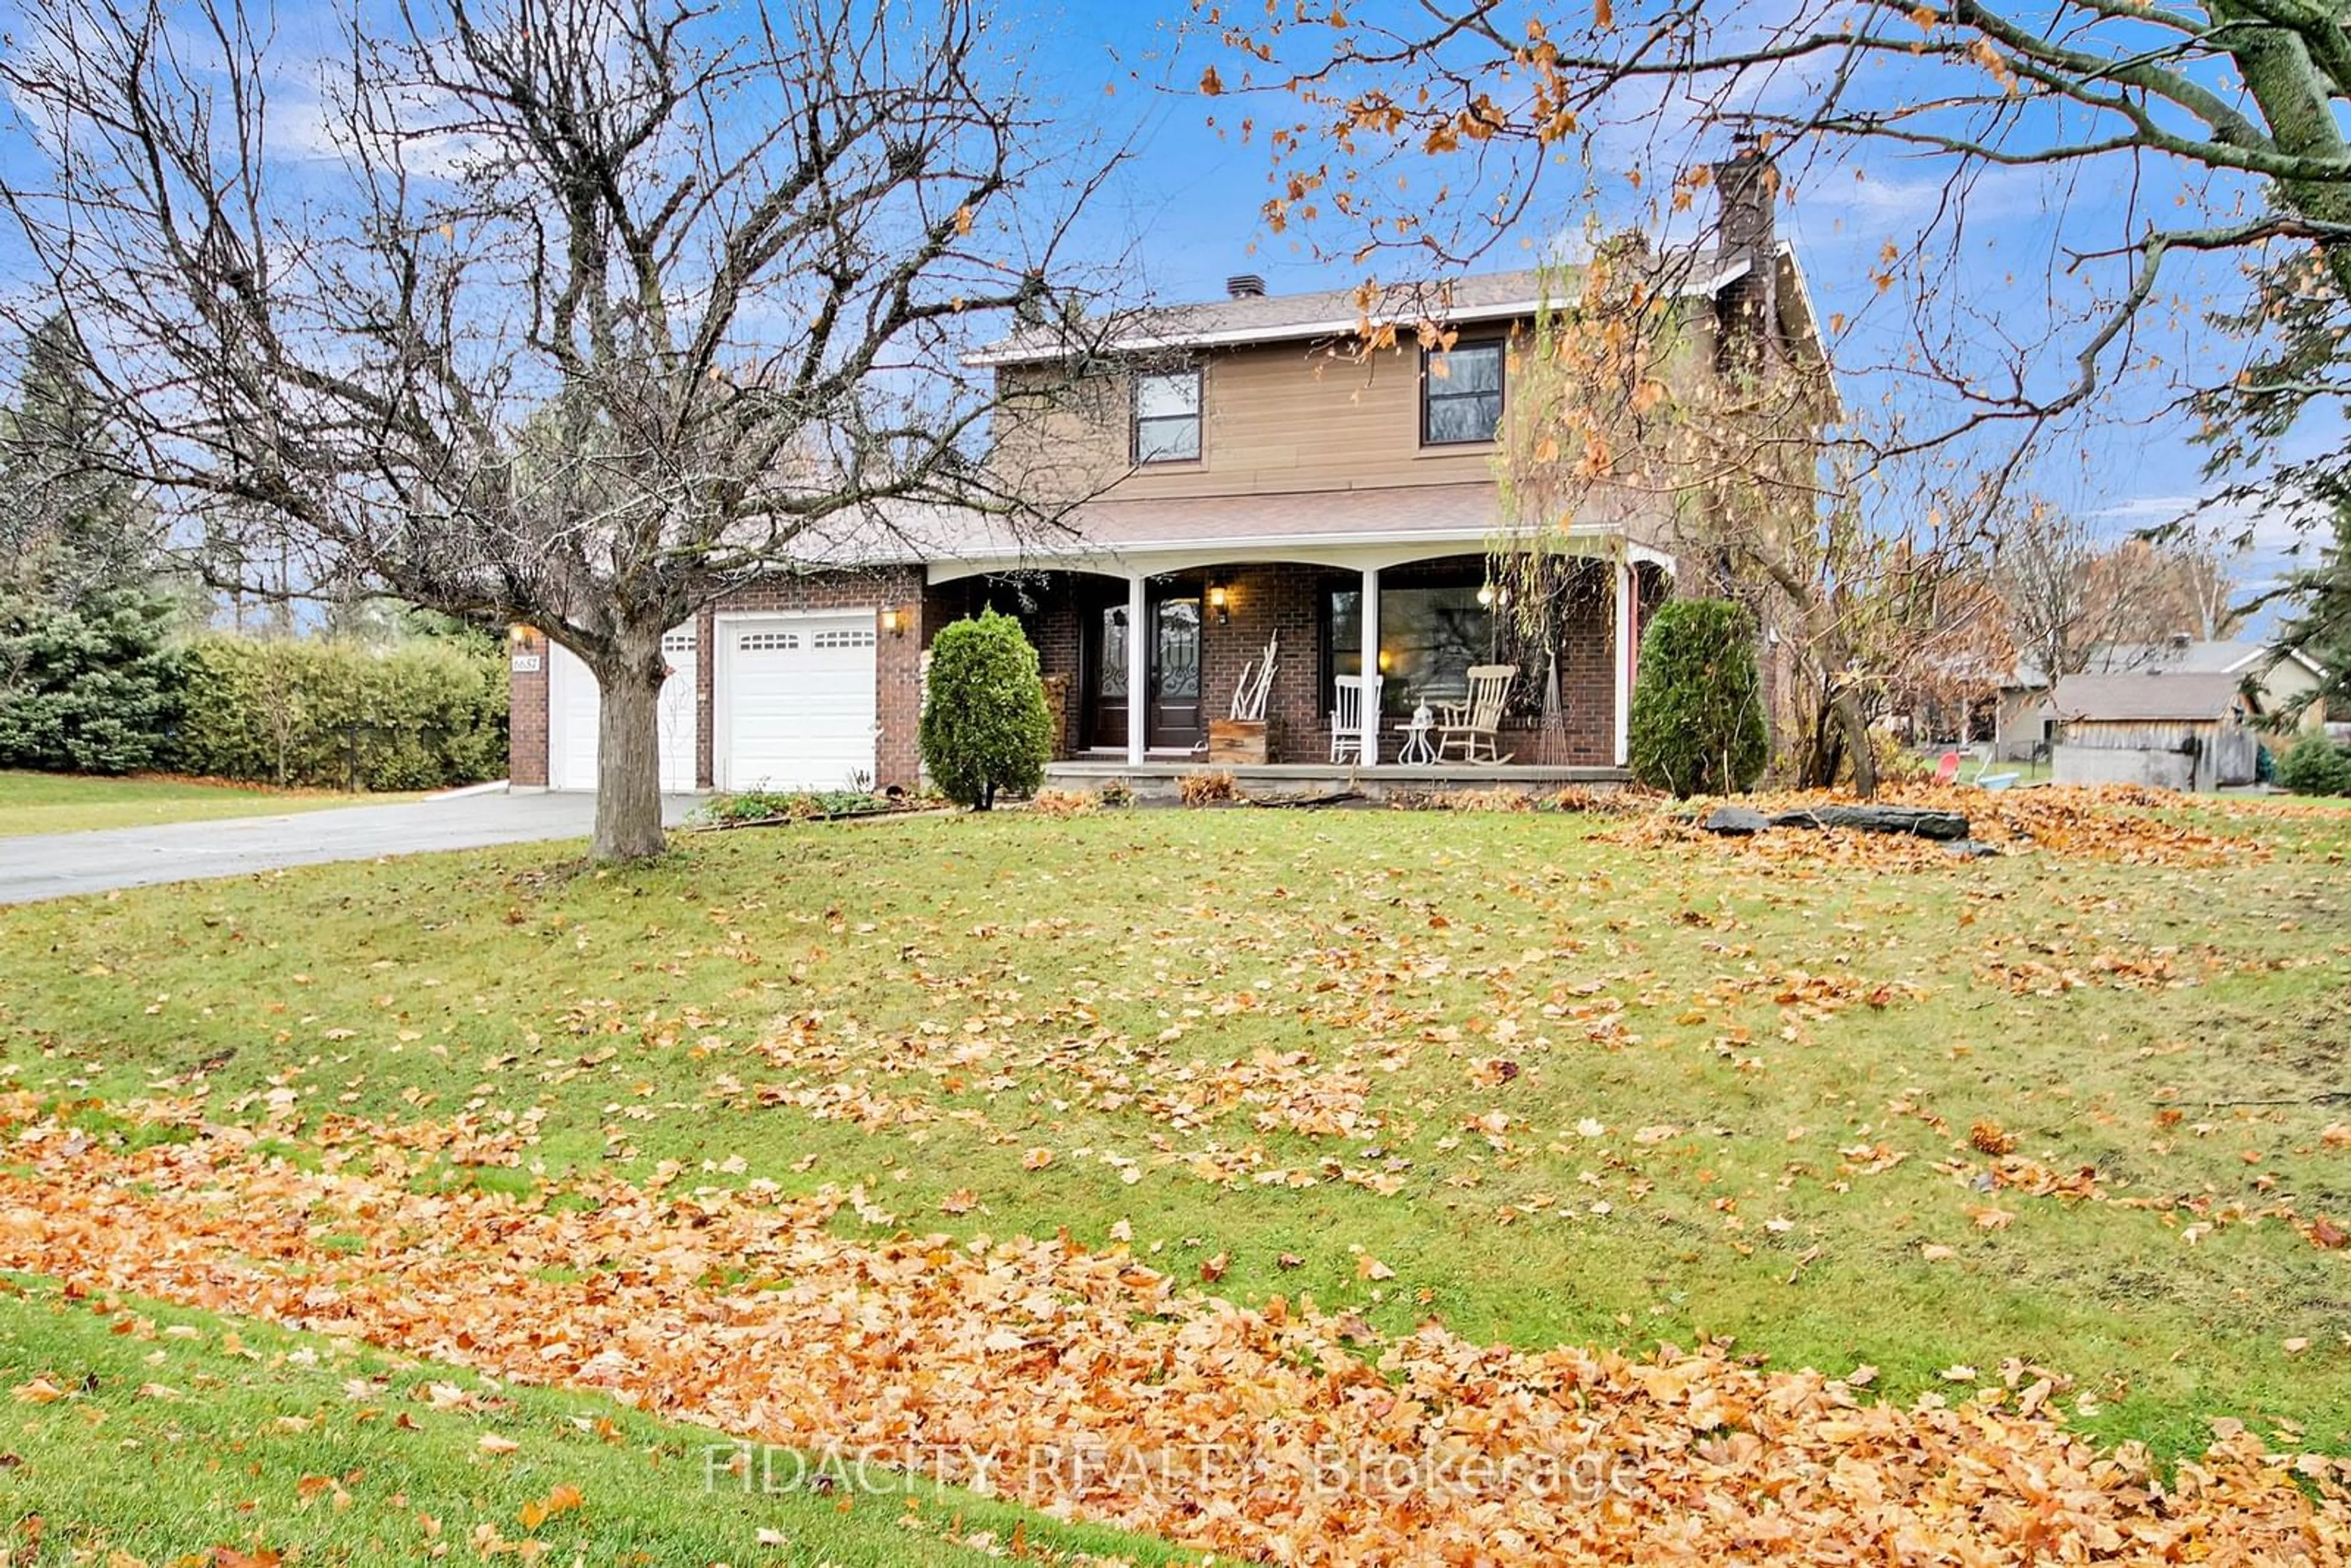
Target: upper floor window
column 1167, row 416
column 1461, row 394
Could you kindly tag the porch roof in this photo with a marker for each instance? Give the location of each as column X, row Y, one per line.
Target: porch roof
column 1353, row 528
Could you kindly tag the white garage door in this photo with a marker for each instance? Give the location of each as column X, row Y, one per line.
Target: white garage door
column 572, row 706
column 796, row 704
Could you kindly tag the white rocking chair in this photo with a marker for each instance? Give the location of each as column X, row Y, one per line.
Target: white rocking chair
column 1356, row 695
column 1471, row 726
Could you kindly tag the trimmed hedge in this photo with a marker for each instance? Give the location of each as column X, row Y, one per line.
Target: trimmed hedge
column 1697, row 708
column 419, row 716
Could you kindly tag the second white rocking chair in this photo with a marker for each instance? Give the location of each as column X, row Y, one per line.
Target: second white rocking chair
column 1356, row 695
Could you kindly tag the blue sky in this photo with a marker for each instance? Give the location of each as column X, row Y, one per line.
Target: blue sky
column 1191, row 204
column 1188, row 209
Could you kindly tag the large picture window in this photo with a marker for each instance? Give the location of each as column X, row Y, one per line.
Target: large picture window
column 1167, row 416
column 1428, row 638
column 1461, row 394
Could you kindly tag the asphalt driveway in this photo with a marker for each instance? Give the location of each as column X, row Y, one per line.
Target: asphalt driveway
column 59, row 865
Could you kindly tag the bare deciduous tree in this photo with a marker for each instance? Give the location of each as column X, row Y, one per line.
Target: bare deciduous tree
column 578, row 313
column 2046, row 559
column 1625, row 403
column 2208, row 128
column 2073, row 596
column 2205, row 589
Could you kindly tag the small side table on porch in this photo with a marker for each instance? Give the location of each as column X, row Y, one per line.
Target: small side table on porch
column 1418, row 751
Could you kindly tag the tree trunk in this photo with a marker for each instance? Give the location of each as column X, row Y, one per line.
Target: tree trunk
column 1822, row 753
column 1846, row 706
column 628, row 751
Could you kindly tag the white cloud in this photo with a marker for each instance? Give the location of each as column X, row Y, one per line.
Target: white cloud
column 2267, row 528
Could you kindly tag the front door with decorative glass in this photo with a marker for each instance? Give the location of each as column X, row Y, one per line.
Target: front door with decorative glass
column 1106, row 676
column 1174, row 721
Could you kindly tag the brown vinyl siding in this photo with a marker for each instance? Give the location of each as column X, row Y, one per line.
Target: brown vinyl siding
column 1281, row 418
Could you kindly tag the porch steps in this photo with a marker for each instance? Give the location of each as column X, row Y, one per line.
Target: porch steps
column 1161, row 777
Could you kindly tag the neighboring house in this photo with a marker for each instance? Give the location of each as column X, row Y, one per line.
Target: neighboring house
column 2026, row 720
column 2021, row 721
column 1246, row 476
column 2180, row 729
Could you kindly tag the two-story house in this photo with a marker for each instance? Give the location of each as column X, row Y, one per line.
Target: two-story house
column 1251, row 475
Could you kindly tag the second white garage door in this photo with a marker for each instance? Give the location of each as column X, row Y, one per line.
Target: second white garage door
column 573, row 707
column 795, row 700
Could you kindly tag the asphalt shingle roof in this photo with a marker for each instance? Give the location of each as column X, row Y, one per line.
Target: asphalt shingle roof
column 2146, row 697
column 1333, row 312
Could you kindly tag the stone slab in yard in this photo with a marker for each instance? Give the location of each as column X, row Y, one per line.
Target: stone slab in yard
column 1920, row 821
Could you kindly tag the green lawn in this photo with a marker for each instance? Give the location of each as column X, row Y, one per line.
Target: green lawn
column 69, row 803
column 227, row 1440
column 1563, row 1089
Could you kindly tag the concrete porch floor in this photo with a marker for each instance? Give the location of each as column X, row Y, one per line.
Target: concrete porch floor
column 1160, row 776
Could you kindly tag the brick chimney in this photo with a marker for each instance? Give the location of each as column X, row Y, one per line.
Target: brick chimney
column 1747, row 189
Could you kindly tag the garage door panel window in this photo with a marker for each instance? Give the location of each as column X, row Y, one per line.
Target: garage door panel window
column 768, row 642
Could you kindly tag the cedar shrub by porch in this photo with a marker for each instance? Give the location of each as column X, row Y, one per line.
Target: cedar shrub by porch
column 985, row 726
column 1698, row 707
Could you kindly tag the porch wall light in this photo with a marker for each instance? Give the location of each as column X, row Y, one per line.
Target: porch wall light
column 1221, row 601
column 894, row 621
column 1485, row 596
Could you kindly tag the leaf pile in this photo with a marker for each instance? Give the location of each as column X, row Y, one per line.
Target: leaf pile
column 1086, row 1383
column 2123, row 824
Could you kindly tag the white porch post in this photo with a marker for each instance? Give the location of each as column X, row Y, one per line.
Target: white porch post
column 1138, row 669
column 1623, row 661
column 1371, row 626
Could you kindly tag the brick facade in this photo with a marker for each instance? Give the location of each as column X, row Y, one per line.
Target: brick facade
column 898, row 661
column 1051, row 607
column 1265, row 600
column 1287, row 599
column 1586, row 638
column 1055, row 608
column 526, row 711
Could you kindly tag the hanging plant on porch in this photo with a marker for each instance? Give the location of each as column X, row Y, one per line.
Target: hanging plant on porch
column 985, row 726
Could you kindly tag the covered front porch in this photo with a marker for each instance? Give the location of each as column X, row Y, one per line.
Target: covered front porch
column 1144, row 652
